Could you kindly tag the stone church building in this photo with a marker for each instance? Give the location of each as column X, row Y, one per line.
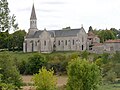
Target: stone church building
column 44, row 41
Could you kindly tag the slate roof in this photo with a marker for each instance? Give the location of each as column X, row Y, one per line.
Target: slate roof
column 56, row 33
column 33, row 14
column 66, row 33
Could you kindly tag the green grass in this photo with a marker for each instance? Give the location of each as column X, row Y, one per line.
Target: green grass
column 103, row 87
column 110, row 87
column 20, row 56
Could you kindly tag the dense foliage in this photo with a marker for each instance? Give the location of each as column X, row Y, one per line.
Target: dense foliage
column 12, row 41
column 35, row 63
column 45, row 80
column 9, row 73
column 83, row 75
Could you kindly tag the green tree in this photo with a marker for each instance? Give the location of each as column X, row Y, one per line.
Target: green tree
column 4, row 15
column 83, row 75
column 6, row 21
column 45, row 80
column 3, row 40
column 35, row 63
column 90, row 29
column 106, row 35
column 17, row 40
column 9, row 72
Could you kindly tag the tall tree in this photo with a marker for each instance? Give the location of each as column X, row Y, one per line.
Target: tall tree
column 4, row 15
column 90, row 29
column 17, row 39
column 6, row 21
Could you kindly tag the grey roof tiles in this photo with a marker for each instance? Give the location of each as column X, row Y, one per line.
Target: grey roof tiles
column 56, row 33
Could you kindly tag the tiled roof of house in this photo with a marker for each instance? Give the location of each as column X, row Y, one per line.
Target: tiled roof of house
column 113, row 41
column 98, row 44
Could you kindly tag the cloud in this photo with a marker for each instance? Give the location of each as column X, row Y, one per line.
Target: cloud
column 46, row 10
column 54, row 3
column 23, row 9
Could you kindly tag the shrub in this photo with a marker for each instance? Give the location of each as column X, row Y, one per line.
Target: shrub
column 110, row 77
column 9, row 72
column 44, row 80
column 83, row 75
column 84, row 55
column 35, row 63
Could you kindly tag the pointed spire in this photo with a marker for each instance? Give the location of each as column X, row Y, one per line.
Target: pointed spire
column 33, row 14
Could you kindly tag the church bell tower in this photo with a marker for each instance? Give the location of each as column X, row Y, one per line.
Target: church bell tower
column 33, row 21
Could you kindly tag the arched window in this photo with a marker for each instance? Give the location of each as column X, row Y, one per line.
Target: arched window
column 44, row 43
column 65, row 42
column 25, row 46
column 59, row 42
column 73, row 42
column 82, row 47
column 32, row 46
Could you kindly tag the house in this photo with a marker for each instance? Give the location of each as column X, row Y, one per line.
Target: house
column 92, row 40
column 112, row 45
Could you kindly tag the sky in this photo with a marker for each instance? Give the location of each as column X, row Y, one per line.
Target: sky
column 58, row 14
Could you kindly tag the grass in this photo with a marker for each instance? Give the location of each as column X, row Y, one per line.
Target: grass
column 103, row 87
column 24, row 56
column 110, row 87
column 18, row 55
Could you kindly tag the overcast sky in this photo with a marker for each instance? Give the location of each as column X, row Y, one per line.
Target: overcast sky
column 57, row 14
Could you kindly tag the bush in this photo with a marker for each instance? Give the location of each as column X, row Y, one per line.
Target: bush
column 110, row 77
column 44, row 80
column 84, row 55
column 9, row 72
column 35, row 63
column 83, row 75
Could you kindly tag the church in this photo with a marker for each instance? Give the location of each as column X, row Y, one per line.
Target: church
column 44, row 41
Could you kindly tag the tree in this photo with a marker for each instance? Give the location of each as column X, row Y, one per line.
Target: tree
column 45, row 80
column 106, row 35
column 3, row 40
column 18, row 39
column 83, row 75
column 6, row 21
column 35, row 63
column 4, row 15
column 9, row 72
column 90, row 29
